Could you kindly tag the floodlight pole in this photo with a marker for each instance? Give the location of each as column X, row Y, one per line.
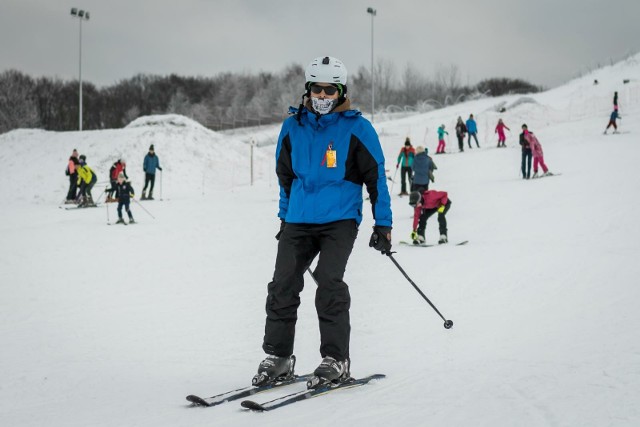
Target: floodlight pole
column 81, row 15
column 373, row 13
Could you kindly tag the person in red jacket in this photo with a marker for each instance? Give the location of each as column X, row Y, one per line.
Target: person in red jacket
column 118, row 167
column 432, row 201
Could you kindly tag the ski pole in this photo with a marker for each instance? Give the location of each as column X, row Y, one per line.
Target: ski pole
column 393, row 181
column 161, row 185
column 447, row 323
column 144, row 209
column 106, row 205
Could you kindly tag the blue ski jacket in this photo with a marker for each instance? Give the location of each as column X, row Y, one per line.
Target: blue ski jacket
column 314, row 189
column 472, row 127
column 151, row 163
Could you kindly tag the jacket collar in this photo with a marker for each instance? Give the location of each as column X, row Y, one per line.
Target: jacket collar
column 318, row 121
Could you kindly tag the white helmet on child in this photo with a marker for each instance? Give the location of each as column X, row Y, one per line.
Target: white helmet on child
column 326, row 69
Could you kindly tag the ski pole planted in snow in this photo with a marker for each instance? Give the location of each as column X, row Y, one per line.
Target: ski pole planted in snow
column 393, row 181
column 447, row 323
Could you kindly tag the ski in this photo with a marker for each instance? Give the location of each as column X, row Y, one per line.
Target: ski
column 243, row 392
column 70, row 208
column 546, row 176
column 428, row 245
column 307, row 394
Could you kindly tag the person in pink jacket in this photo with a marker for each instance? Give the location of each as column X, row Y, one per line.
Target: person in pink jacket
column 502, row 138
column 537, row 153
column 432, row 201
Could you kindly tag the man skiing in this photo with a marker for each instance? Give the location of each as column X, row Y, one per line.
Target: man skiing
column 461, row 129
column 405, row 158
column 526, row 154
column 423, row 167
column 432, row 201
column 326, row 152
column 472, row 128
column 150, row 164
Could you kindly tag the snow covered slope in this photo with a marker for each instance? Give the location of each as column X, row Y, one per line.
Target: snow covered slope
column 113, row 326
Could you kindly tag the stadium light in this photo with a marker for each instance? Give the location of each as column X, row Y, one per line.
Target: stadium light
column 82, row 15
column 373, row 13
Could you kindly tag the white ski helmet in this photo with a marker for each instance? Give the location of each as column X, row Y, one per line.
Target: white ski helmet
column 326, row 69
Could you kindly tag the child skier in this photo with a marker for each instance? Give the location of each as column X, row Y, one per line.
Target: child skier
column 432, row 201
column 472, row 129
column 86, row 180
column 124, row 193
column 502, row 138
column 441, row 143
column 536, row 152
column 612, row 121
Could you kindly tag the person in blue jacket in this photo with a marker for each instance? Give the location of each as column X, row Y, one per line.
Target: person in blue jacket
column 472, row 129
column 612, row 120
column 150, row 164
column 326, row 152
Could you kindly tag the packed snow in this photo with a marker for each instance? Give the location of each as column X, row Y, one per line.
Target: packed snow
column 114, row 326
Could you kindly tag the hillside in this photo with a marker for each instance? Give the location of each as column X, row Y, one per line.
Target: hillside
column 114, row 326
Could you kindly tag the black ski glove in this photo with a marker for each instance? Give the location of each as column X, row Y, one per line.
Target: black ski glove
column 159, row 168
column 282, row 224
column 381, row 239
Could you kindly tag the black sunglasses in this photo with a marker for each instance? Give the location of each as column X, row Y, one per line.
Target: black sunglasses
column 328, row 90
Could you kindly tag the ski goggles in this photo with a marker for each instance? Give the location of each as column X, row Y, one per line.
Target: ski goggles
column 328, row 90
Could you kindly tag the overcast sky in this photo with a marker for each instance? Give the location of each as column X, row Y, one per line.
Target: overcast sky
column 544, row 41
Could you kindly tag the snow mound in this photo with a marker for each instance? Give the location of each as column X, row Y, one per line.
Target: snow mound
column 165, row 121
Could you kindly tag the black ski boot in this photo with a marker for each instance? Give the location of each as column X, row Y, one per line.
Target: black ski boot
column 273, row 369
column 120, row 221
column 330, row 371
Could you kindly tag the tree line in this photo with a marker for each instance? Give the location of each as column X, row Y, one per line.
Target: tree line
column 224, row 101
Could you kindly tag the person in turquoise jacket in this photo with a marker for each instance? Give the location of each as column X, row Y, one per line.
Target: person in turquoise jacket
column 405, row 159
column 441, row 143
column 326, row 153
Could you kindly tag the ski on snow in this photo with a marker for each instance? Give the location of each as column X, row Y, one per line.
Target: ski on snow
column 243, row 392
column 424, row 245
column 307, row 394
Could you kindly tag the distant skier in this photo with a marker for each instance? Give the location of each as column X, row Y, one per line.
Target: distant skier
column 502, row 138
column 423, row 167
column 538, row 155
column 432, row 201
column 124, row 192
column 472, row 128
column 615, row 101
column 72, row 173
column 405, row 160
column 441, row 143
column 461, row 130
column 526, row 154
column 86, row 179
column 612, row 121
column 119, row 166
column 151, row 163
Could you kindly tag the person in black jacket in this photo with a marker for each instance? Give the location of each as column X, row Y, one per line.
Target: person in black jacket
column 526, row 155
column 124, row 193
column 461, row 130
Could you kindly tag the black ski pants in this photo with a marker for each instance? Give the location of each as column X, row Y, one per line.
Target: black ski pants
column 474, row 137
column 73, row 186
column 442, row 219
column 299, row 244
column 526, row 163
column 460, row 142
column 405, row 175
column 122, row 202
column 149, row 178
